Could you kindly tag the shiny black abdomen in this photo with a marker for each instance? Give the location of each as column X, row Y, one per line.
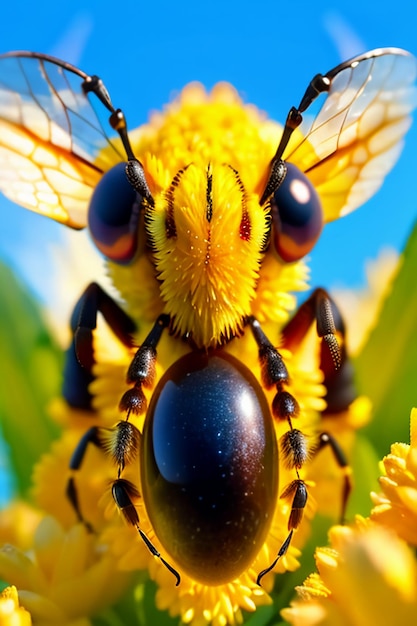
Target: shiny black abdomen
column 209, row 465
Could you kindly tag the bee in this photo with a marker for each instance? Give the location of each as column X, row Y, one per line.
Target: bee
column 199, row 228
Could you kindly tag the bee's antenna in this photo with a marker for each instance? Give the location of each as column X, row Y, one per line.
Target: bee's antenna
column 134, row 168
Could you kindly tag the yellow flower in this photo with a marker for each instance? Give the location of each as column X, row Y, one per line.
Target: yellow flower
column 11, row 614
column 18, row 522
column 396, row 505
column 65, row 577
column 199, row 605
column 369, row 573
column 367, row 576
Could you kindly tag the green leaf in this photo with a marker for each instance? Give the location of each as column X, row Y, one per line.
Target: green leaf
column 387, row 367
column 364, row 462
column 30, row 366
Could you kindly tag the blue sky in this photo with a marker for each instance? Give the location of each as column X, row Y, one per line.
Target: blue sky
column 268, row 50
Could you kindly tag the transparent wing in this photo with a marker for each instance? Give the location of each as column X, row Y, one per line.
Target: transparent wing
column 353, row 141
column 53, row 148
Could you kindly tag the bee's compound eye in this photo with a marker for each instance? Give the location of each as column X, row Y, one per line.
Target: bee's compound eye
column 114, row 214
column 297, row 215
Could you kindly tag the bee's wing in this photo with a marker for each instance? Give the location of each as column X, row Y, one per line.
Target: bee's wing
column 53, row 148
column 356, row 137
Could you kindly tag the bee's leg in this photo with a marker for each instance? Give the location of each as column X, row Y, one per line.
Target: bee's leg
column 338, row 374
column 124, row 448
column 334, row 360
column 141, row 372
column 91, row 436
column 327, row 439
column 336, row 366
column 80, row 355
column 340, row 394
column 293, row 444
column 319, row 308
column 123, row 491
column 122, row 442
column 79, row 363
